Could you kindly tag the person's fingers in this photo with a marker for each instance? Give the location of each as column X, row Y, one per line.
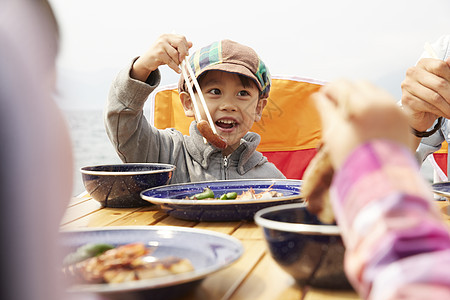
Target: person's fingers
column 331, row 118
column 355, row 112
column 346, row 95
column 182, row 46
column 326, row 107
column 419, row 97
column 338, row 91
column 173, row 49
column 172, row 58
column 434, row 76
column 338, row 136
column 436, row 67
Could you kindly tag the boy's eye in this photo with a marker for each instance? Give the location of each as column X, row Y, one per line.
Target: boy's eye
column 214, row 91
column 243, row 93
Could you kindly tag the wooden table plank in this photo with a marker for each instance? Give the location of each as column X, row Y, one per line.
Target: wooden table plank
column 80, row 210
column 148, row 215
column 315, row 294
column 77, row 224
column 100, row 218
column 107, row 215
column 171, row 221
column 444, row 208
column 80, row 198
column 268, row 281
column 223, row 227
column 226, row 281
column 249, row 231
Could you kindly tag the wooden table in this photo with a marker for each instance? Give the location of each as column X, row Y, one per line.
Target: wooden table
column 254, row 276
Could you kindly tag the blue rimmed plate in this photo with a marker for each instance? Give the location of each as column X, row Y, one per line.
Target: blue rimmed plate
column 442, row 189
column 172, row 198
column 208, row 252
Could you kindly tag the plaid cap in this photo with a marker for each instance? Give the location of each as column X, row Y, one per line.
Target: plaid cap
column 232, row 57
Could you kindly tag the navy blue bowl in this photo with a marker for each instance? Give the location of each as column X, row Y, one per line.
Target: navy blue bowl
column 120, row 185
column 310, row 251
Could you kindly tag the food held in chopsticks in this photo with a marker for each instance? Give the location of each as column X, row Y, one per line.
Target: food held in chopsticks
column 124, row 263
column 213, row 138
column 249, row 194
column 316, row 184
column 206, row 128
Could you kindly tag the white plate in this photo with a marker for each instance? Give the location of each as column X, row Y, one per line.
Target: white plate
column 442, row 189
column 208, row 251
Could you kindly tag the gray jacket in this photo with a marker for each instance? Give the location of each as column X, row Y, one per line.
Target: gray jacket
column 135, row 140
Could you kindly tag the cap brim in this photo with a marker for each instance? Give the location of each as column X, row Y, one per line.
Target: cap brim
column 233, row 68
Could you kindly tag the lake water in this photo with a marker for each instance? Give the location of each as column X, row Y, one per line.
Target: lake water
column 91, row 145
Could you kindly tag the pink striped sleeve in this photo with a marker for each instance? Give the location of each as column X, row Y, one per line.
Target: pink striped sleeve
column 394, row 234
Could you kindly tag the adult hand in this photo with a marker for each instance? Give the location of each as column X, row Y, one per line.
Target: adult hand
column 426, row 92
column 168, row 49
column 355, row 112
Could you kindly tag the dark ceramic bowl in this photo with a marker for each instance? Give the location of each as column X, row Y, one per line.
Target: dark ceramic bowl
column 120, row 185
column 307, row 249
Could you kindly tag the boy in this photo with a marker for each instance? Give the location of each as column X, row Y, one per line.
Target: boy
column 235, row 84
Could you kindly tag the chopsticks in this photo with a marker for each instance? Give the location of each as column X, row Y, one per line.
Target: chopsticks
column 430, row 50
column 185, row 65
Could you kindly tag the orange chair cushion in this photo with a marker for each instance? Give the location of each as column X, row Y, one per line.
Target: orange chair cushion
column 290, row 126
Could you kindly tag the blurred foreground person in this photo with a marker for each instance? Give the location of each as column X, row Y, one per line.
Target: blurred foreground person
column 35, row 153
column 398, row 246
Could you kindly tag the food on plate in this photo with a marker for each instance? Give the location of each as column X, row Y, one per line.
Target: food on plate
column 250, row 194
column 85, row 252
column 228, row 196
column 316, row 184
column 206, row 194
column 213, row 138
column 124, row 263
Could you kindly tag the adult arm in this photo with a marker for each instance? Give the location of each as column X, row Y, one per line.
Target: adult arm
column 426, row 88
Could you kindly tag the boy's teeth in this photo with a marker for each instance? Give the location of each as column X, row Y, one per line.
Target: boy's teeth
column 227, row 121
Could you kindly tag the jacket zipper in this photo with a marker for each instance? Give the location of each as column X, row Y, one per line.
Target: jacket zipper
column 225, row 166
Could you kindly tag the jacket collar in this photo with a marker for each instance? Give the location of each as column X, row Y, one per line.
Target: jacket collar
column 245, row 154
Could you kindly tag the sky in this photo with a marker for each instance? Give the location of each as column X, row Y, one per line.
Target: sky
column 320, row 39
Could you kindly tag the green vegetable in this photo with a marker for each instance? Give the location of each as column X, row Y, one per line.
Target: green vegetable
column 207, row 193
column 86, row 251
column 95, row 249
column 228, row 196
column 231, row 195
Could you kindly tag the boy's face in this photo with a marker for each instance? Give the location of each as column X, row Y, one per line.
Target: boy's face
column 233, row 107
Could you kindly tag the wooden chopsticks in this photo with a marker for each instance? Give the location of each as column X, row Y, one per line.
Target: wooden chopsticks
column 185, row 65
column 430, row 50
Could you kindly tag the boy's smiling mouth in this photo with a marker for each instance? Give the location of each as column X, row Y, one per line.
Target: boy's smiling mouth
column 226, row 123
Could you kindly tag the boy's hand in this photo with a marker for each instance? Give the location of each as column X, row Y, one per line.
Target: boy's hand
column 169, row 49
column 355, row 112
column 426, row 92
